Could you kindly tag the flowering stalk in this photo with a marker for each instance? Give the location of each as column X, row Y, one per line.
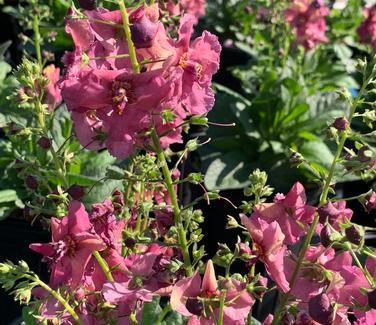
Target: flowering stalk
column 103, row 265
column 323, row 199
column 56, row 295
column 37, row 38
column 174, row 202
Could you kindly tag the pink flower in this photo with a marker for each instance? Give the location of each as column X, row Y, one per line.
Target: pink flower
column 307, row 19
column 371, row 202
column 198, row 62
column 321, row 269
column 269, row 238
column 72, row 244
column 187, row 293
column 52, row 91
column 335, row 214
column 369, row 318
column 367, row 30
column 193, row 7
column 291, row 212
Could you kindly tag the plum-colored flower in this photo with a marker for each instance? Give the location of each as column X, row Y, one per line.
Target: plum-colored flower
column 367, row 30
column 73, row 243
column 52, row 91
column 307, row 17
column 370, row 203
column 268, row 239
column 291, row 212
column 188, row 295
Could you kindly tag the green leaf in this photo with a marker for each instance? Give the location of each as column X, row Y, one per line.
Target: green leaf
column 27, row 316
column 297, row 111
column 8, row 196
column 228, row 171
column 151, row 311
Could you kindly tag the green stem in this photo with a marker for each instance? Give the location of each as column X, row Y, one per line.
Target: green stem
column 221, row 307
column 174, row 202
column 127, row 32
column 164, row 312
column 56, row 295
column 323, row 200
column 104, row 266
column 37, row 39
column 364, row 270
column 139, row 211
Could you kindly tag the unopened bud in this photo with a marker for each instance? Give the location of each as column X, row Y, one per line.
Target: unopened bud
column 31, row 182
column 76, row 192
column 364, row 154
column 371, row 202
column 341, row 123
column 325, row 236
column 194, row 306
column 44, row 143
column 353, row 234
column 320, row 309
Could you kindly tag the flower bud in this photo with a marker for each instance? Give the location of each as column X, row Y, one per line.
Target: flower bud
column 143, row 30
column 320, row 309
column 129, row 242
column 88, row 4
column 31, row 182
column 325, row 236
column 76, row 192
column 371, row 202
column 364, row 154
column 194, row 306
column 44, row 143
column 372, row 299
column 341, row 123
column 353, row 235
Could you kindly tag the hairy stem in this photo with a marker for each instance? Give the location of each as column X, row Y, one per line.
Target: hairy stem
column 104, row 266
column 127, row 32
column 37, row 39
column 56, row 295
column 174, row 202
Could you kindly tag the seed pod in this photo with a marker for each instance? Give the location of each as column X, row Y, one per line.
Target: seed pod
column 320, row 309
column 353, row 235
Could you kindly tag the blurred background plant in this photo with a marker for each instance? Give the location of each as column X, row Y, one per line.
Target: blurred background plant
column 284, row 93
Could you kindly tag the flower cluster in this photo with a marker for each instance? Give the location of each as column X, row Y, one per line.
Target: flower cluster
column 308, row 20
column 105, row 93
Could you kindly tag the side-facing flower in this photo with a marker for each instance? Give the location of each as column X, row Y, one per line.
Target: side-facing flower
column 73, row 243
column 268, row 239
column 291, row 212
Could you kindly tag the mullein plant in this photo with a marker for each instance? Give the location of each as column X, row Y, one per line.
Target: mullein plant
column 132, row 85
